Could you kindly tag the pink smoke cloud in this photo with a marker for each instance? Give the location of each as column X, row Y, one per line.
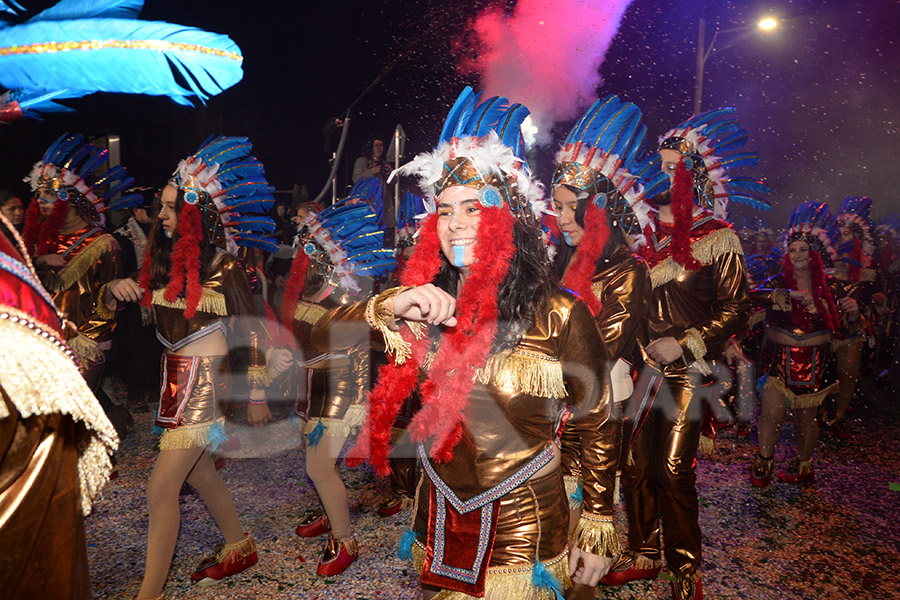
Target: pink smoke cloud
column 546, row 54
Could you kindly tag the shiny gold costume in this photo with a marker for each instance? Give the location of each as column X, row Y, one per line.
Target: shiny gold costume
column 510, row 428
column 78, row 290
column 195, row 387
column 336, row 381
column 701, row 309
column 54, row 445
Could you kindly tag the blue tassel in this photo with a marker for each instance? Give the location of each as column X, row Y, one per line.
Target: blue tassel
column 157, row 431
column 316, row 434
column 407, row 539
column 760, row 384
column 541, row 577
column 216, row 436
column 577, row 496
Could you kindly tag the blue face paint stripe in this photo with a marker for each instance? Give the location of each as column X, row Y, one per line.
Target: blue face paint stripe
column 458, row 253
column 568, row 239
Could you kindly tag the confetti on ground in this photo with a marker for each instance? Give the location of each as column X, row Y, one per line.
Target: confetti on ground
column 825, row 540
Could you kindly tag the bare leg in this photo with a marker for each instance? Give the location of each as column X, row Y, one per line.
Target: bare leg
column 321, row 466
column 808, row 431
column 172, row 468
column 848, row 359
column 770, row 418
column 209, row 484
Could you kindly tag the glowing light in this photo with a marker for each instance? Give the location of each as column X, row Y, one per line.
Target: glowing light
column 768, row 23
column 529, row 132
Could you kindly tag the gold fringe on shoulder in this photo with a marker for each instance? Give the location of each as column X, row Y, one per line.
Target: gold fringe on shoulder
column 353, row 420
column 56, row 387
column 524, row 372
column 211, row 302
column 506, row 582
column 802, row 400
column 596, row 534
column 717, row 243
column 188, row 436
column 80, row 265
column 308, row 312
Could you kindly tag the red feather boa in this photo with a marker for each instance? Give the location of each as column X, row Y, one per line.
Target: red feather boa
column 32, row 225
column 146, row 271
column 294, row 288
column 184, row 271
column 856, row 255
column 820, row 293
column 584, row 265
column 683, row 213
column 49, row 228
column 462, row 350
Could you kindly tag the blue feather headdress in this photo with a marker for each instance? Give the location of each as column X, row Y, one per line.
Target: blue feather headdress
column 710, row 143
column 856, row 214
column 345, row 241
column 78, row 47
column 599, row 158
column 75, row 171
column 228, row 184
column 481, row 147
column 814, row 224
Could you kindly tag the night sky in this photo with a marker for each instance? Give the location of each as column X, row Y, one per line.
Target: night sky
column 820, row 96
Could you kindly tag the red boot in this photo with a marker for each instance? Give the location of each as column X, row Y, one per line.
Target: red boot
column 799, row 471
column 631, row 566
column 761, row 471
column 315, row 524
column 228, row 559
column 393, row 504
column 338, row 555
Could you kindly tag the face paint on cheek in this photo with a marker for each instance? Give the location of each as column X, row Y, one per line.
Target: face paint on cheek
column 568, row 239
column 167, row 233
column 458, row 254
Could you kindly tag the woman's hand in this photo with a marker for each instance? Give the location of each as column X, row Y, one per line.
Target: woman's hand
column 426, row 303
column 665, row 350
column 586, row 568
column 280, row 360
column 124, row 290
column 850, row 308
column 802, row 296
column 258, row 414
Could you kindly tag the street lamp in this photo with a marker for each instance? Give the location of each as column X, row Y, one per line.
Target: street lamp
column 766, row 24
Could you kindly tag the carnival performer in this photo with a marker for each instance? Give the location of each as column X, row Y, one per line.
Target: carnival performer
column 498, row 350
column 699, row 301
column 216, row 201
column 76, row 260
column 599, row 204
column 801, row 318
column 339, row 252
column 854, row 274
column 55, row 437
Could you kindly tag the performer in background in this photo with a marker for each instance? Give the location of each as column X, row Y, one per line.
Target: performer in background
column 339, row 253
column 54, row 437
column 494, row 350
column 699, row 301
column 216, row 201
column 374, row 164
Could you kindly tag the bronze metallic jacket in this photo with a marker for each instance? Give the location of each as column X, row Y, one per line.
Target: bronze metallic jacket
column 622, row 289
column 514, row 407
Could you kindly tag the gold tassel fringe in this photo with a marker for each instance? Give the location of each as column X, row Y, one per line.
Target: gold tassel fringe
column 571, row 484
column 238, row 550
column 308, row 312
column 525, row 373
column 187, row 436
column 617, row 489
column 705, row 250
column 643, row 563
column 211, row 302
column 803, row 400
column 707, row 445
column 81, row 264
column 100, row 308
column 596, row 534
column 506, row 582
column 86, row 349
column 259, row 377
column 353, row 420
column 56, row 387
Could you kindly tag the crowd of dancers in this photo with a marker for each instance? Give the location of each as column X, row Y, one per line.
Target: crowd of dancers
column 520, row 356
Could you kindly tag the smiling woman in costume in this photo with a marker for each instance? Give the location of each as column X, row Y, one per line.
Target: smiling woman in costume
column 495, row 352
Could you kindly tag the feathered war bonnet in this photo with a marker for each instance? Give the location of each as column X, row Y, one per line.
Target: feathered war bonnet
column 344, row 243
column 73, row 170
column 598, row 160
column 225, row 202
column 813, row 223
column 480, row 147
column 856, row 214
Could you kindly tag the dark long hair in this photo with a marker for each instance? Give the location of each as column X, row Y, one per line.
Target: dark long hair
column 369, row 149
column 525, row 290
column 160, row 249
column 565, row 252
